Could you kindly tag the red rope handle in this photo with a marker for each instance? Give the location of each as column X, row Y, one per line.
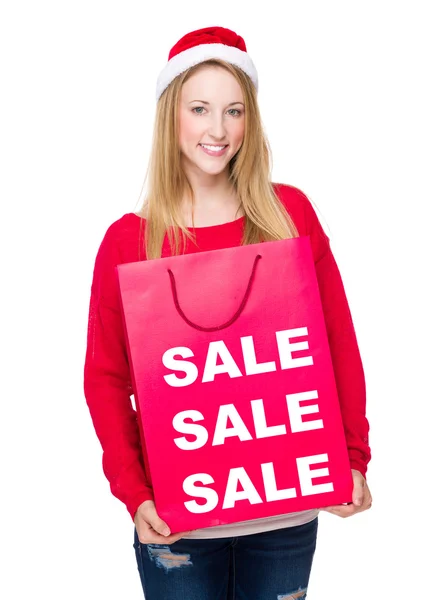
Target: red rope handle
column 230, row 321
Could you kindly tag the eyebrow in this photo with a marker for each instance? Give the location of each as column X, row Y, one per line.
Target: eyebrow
column 205, row 102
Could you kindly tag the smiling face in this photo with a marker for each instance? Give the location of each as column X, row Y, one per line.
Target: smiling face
column 211, row 113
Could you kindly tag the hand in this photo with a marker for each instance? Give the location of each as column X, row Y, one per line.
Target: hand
column 151, row 529
column 362, row 499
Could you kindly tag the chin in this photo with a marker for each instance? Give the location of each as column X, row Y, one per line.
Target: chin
column 211, row 169
column 206, row 166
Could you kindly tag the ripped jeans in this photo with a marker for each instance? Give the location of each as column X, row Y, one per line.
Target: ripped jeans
column 273, row 565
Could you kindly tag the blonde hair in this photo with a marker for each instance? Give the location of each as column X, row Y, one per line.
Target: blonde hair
column 249, row 171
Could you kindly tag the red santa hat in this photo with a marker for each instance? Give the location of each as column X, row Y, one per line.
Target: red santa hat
column 200, row 45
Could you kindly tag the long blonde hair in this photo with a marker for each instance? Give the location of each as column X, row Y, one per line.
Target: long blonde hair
column 249, row 171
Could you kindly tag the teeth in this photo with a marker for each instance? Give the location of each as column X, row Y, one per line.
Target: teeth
column 213, row 148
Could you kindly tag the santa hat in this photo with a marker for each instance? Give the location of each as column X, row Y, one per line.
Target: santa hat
column 200, row 45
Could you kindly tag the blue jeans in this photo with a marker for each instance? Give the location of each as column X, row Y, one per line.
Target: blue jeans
column 274, row 565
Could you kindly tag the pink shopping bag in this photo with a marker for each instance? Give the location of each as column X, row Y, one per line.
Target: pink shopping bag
column 235, row 393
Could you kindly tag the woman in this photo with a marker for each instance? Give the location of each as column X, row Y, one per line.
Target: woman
column 209, row 188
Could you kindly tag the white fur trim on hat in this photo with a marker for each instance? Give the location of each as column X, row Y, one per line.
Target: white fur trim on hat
column 197, row 54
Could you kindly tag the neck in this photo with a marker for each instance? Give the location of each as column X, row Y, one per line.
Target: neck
column 214, row 202
column 208, row 187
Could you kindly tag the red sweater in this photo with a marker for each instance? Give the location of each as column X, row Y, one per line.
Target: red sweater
column 107, row 379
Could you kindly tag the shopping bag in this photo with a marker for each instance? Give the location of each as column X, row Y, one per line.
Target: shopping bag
column 233, row 381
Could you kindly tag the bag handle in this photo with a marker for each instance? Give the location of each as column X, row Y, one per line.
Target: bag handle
column 227, row 323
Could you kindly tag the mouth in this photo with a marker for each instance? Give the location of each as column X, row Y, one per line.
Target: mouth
column 213, row 150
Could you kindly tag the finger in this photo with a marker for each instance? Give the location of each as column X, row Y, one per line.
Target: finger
column 151, row 519
column 144, row 525
column 358, row 498
column 159, row 526
column 342, row 510
column 336, row 506
column 358, row 491
column 367, row 502
column 367, row 499
column 155, row 538
column 176, row 536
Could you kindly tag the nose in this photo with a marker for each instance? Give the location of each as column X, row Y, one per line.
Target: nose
column 217, row 128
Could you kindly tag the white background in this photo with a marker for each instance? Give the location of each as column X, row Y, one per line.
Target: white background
column 354, row 102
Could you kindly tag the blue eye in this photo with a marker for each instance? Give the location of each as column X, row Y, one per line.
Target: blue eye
column 196, row 108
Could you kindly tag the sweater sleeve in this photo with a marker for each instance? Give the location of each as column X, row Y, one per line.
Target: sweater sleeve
column 346, row 359
column 108, row 384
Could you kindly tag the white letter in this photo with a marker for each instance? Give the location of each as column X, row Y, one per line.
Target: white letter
column 286, row 348
column 229, row 366
column 296, row 411
column 228, row 411
column 250, row 360
column 197, row 430
column 190, row 369
column 248, row 492
column 270, row 485
column 201, row 492
column 261, row 429
column 306, row 476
